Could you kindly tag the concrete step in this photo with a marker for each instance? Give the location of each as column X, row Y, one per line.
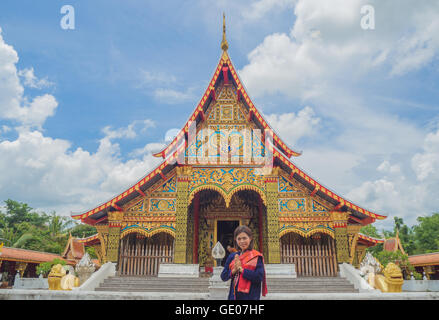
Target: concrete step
column 117, row 289
column 315, row 291
column 275, row 285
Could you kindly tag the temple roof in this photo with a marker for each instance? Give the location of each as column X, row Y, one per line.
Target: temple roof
column 368, row 241
column 89, row 240
column 424, row 259
column 170, row 154
column 30, row 256
column 393, row 244
column 76, row 248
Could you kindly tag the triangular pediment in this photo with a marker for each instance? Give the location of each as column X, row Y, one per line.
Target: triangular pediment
column 225, row 102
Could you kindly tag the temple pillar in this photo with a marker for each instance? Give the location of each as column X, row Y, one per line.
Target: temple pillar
column 181, row 219
column 102, row 230
column 260, row 224
column 114, row 224
column 352, row 233
column 341, row 236
column 273, row 244
column 196, row 227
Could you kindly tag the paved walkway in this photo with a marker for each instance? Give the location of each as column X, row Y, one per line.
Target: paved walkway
column 17, row 294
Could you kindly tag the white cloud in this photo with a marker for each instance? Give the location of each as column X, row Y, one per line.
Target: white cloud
column 292, row 127
column 327, row 47
column 401, row 193
column 130, row 131
column 36, row 113
column 173, row 96
column 426, row 164
column 386, row 167
column 361, row 149
column 258, row 9
column 5, row 129
column 46, row 172
column 32, row 81
column 13, row 105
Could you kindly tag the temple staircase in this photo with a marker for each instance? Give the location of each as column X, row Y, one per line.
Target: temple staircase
column 155, row 284
column 201, row 285
column 310, row 285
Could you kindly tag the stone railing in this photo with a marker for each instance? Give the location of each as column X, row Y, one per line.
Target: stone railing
column 420, row 285
column 30, row 283
column 353, row 276
column 107, row 270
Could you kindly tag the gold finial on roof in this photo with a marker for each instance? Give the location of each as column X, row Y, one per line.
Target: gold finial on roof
column 224, row 44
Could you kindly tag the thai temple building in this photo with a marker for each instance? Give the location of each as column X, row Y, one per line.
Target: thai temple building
column 228, row 167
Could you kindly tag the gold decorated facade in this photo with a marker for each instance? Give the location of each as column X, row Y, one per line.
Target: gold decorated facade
column 196, row 204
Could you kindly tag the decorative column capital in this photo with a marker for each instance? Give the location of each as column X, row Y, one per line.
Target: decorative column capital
column 340, row 219
column 183, row 172
column 115, row 218
column 354, row 228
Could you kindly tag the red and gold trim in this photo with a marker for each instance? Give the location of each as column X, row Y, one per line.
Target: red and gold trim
column 321, row 188
column 112, row 203
column 369, row 239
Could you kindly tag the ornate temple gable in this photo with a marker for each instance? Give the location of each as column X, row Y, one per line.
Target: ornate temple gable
column 167, row 188
column 216, row 207
column 318, row 207
column 286, row 186
column 294, row 172
column 225, row 73
column 226, row 181
column 158, row 202
column 154, row 213
column 226, row 109
column 299, row 211
column 139, row 205
column 227, row 134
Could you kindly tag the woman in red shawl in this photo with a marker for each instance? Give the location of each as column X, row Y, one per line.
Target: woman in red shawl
column 245, row 268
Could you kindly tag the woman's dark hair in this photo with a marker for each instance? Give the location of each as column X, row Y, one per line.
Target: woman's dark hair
column 246, row 230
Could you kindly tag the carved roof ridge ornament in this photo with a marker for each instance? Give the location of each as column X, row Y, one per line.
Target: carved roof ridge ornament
column 224, row 44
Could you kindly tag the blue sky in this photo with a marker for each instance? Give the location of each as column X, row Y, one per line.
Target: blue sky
column 82, row 110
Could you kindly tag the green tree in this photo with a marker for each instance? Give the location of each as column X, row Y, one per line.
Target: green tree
column 45, row 267
column 371, row 231
column 83, row 230
column 24, row 228
column 427, row 234
column 18, row 212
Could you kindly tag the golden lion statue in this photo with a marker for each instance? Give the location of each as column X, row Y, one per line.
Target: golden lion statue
column 392, row 279
column 55, row 276
column 59, row 280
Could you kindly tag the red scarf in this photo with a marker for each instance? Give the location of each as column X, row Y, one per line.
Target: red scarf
column 249, row 260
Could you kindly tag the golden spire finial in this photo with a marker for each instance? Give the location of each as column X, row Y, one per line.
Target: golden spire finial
column 224, row 44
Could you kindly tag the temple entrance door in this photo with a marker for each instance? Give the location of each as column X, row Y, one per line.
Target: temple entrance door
column 225, row 231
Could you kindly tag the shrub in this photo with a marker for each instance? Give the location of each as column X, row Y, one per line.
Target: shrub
column 45, row 267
